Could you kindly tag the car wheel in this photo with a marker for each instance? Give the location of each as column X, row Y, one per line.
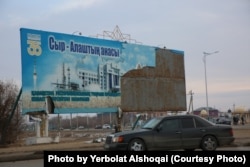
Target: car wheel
column 136, row 145
column 209, row 143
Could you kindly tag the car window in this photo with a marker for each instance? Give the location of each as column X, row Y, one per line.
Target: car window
column 169, row 124
column 202, row 123
column 199, row 124
column 187, row 123
column 151, row 123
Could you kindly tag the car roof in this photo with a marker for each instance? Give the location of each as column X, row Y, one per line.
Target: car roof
column 184, row 116
column 180, row 116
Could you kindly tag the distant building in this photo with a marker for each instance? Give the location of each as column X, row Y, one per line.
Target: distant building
column 212, row 112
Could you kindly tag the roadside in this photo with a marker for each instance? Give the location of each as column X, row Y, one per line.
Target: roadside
column 241, row 134
column 28, row 152
column 18, row 153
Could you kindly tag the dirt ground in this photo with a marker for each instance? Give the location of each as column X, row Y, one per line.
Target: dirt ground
column 242, row 137
column 85, row 140
column 68, row 140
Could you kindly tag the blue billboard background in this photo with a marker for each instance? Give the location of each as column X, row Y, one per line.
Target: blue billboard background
column 81, row 74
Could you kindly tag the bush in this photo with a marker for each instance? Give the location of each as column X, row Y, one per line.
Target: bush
column 9, row 122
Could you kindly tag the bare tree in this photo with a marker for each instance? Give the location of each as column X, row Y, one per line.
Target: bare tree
column 10, row 117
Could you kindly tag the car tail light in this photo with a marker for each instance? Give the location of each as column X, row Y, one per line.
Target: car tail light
column 231, row 132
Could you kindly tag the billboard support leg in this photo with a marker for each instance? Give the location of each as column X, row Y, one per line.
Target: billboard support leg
column 46, row 125
column 38, row 133
column 118, row 127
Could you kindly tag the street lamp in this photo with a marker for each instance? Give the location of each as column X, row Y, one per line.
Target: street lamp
column 204, row 60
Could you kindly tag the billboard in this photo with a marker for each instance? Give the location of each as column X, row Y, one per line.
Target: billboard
column 81, row 74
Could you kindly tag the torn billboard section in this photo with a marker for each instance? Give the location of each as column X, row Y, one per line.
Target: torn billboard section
column 159, row 88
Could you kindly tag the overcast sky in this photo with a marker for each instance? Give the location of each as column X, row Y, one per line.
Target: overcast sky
column 193, row 26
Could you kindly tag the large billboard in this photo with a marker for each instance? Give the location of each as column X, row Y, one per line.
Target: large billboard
column 81, row 74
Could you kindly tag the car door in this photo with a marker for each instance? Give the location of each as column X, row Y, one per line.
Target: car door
column 167, row 134
column 191, row 135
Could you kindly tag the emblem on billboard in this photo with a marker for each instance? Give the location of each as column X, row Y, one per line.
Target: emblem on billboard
column 34, row 44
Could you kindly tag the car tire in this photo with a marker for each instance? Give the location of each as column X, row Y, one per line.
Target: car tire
column 136, row 145
column 209, row 143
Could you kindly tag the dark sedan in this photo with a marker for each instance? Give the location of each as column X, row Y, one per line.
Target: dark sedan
column 224, row 120
column 186, row 132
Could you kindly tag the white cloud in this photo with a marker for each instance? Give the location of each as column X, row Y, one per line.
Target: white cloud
column 74, row 5
column 222, row 85
column 15, row 20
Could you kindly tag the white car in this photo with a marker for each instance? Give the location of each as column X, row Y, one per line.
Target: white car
column 106, row 126
column 81, row 127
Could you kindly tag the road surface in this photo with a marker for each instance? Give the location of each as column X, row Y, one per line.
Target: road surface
column 39, row 162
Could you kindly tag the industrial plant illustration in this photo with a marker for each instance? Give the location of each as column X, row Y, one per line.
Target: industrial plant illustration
column 106, row 78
